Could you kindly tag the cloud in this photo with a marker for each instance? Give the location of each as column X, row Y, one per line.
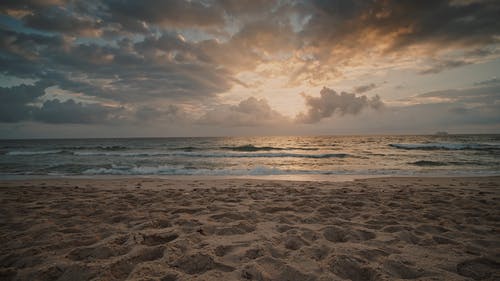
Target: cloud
column 135, row 16
column 365, row 88
column 383, row 30
column 59, row 19
column 10, row 5
column 71, row 112
column 237, row 8
column 443, row 65
column 248, row 113
column 436, row 22
column 14, row 101
column 19, row 103
column 163, row 66
column 489, row 94
column 170, row 113
column 143, row 54
column 473, row 106
column 243, row 35
column 492, row 81
column 330, row 102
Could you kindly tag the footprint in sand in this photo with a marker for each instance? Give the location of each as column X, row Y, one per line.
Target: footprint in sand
column 479, row 269
column 294, row 242
column 267, row 268
column 61, row 272
column 122, row 268
column 170, row 277
column 231, row 216
column 339, row 235
column 222, row 250
column 199, row 263
column 316, row 252
column 352, row 268
column 372, row 254
column 397, row 269
column 159, row 238
column 240, row 228
column 96, row 253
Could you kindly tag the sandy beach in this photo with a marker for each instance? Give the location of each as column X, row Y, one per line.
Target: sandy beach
column 239, row 229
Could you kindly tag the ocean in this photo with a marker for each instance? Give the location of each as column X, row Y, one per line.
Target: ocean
column 430, row 155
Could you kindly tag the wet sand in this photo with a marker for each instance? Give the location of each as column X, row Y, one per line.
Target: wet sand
column 242, row 229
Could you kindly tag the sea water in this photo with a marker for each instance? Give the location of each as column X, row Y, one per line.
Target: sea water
column 254, row 156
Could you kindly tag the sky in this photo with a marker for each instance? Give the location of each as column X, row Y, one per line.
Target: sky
column 156, row 68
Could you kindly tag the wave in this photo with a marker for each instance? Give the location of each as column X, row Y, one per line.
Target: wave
column 99, row 147
column 188, row 151
column 65, row 150
column 121, row 154
column 445, row 146
column 252, row 148
column 188, row 148
column 30, row 153
column 169, row 170
column 75, row 168
column 212, row 154
column 427, row 163
column 273, row 155
column 87, row 153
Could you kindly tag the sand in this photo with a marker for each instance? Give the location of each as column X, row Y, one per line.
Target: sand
column 237, row 229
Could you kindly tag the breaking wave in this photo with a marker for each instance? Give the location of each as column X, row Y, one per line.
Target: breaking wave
column 445, row 146
column 214, row 154
column 426, row 163
column 30, row 153
column 252, row 148
column 168, row 170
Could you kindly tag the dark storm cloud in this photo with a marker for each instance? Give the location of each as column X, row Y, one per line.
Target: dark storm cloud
column 330, row 102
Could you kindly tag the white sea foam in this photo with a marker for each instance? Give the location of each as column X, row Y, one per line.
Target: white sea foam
column 28, row 153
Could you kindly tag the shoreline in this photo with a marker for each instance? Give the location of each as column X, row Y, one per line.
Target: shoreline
column 392, row 228
column 286, row 178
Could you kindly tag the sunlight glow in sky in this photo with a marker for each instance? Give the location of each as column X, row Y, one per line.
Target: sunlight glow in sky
column 110, row 68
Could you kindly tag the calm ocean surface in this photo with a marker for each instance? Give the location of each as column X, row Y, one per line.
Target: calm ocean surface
column 255, row 156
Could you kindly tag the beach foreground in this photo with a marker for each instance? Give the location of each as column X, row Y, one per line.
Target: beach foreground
column 238, row 229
